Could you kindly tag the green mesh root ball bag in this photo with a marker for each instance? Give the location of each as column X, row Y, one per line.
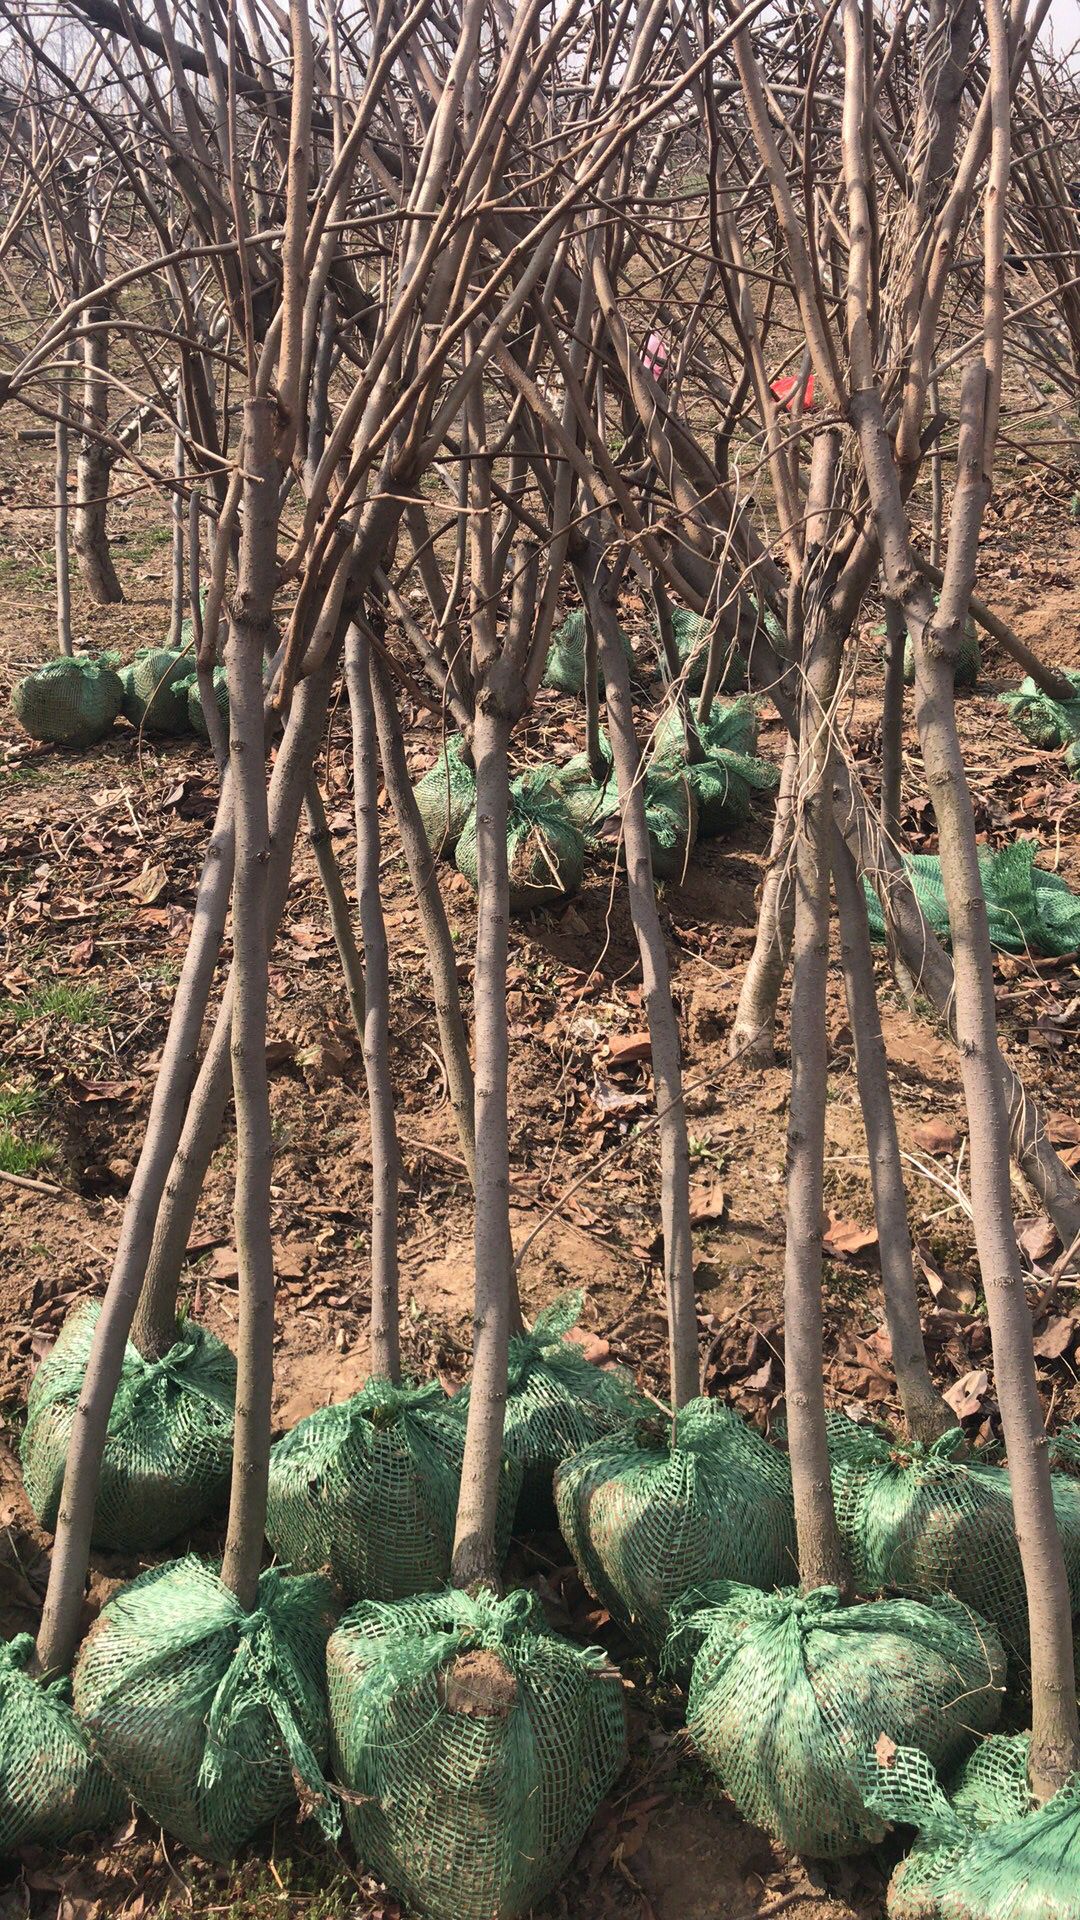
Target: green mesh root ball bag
column 1045, row 722
column 647, row 1517
column 1065, row 1449
column 196, row 718
column 671, row 815
column 589, row 802
column 968, row 661
column 169, row 1448
column 732, row 727
column 478, row 1746
column 446, row 796
column 692, row 635
column 565, row 668
column 545, row 851
column 991, row 1854
column 369, row 1490
column 557, row 1403
column 925, row 1520
column 1028, row 910
column 214, row 1719
column 71, row 703
column 51, row 1785
column 156, row 690
column 790, row 1690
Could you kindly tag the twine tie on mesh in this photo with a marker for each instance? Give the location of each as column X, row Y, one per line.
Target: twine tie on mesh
column 261, row 1654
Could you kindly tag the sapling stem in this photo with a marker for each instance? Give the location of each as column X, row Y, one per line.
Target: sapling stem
column 925, row 1411
column 821, row 1555
column 322, row 846
column 474, row 1560
column 424, row 874
column 752, row 1035
column 385, row 1153
column 251, row 616
column 62, row 439
column 659, row 1006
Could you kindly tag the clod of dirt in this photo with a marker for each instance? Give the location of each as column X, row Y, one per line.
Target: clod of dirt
column 478, row 1685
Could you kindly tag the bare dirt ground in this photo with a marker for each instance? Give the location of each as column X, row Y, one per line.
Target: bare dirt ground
column 99, row 856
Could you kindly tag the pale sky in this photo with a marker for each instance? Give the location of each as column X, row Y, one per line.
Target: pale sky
column 1063, row 21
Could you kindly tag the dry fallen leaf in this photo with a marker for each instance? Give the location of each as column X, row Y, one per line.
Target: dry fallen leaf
column 938, row 1136
column 1037, row 1238
column 884, row 1750
column 708, row 1201
column 628, row 1048
column 951, row 1289
column 1056, row 1337
column 845, row 1238
column 149, row 885
column 965, row 1395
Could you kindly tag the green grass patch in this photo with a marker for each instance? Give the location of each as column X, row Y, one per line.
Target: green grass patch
column 19, row 1103
column 56, row 1000
column 18, row 1155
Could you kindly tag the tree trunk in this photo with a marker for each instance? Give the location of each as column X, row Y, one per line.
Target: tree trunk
column 659, row 1006
column 198, row 1130
column 60, row 499
column 385, row 1154
column 926, row 1413
column 67, row 1575
column 892, row 722
column 179, row 595
column 94, row 465
column 752, row 1036
column 821, row 1556
column 322, row 846
column 248, row 629
column 474, row 1561
column 424, row 874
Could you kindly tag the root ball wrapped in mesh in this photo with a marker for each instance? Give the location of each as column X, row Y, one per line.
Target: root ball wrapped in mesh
column 545, row 851
column 556, row 1404
column 446, row 795
column 70, row 703
column 168, row 1452
column 213, row 1718
column 369, row 1490
column 474, row 1747
column 648, row 1516
column 988, row 1852
column 926, row 1520
column 156, row 688
column 790, row 1691
column 51, row 1785
column 565, row 667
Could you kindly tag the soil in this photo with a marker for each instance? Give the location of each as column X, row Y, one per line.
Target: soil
column 99, row 857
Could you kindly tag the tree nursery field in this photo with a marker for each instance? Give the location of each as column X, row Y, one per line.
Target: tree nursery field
column 540, row 961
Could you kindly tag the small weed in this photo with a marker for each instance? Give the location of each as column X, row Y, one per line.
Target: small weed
column 24, row 1156
column 56, row 1000
column 1074, row 507
column 18, row 1103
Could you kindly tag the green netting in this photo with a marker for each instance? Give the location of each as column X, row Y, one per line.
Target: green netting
column 169, row 1448
column 446, row 796
column 195, row 707
column 925, row 1520
column 732, row 727
column 51, row 1786
column 646, row 1519
column 71, row 703
column 545, row 850
column 692, row 646
column 556, row 1404
column 369, row 1490
column 156, row 690
column 1045, row 722
column 990, row 1854
column 968, row 662
column 214, row 1719
column 671, row 811
column 479, row 1746
column 1065, row 1449
column 565, row 668
column 1028, row 909
column 790, row 1690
